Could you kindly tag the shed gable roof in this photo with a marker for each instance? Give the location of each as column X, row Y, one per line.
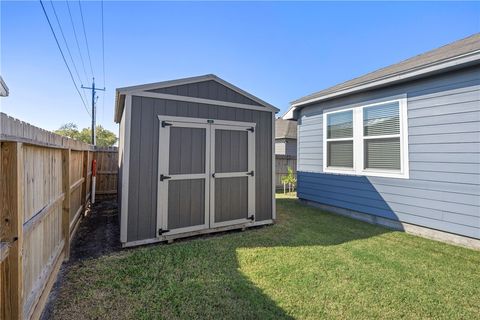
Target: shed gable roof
column 205, row 87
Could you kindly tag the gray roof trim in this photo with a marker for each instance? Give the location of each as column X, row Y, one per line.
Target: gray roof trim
column 164, row 84
column 3, row 88
column 401, row 76
column 454, row 55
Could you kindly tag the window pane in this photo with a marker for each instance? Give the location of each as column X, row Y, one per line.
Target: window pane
column 381, row 120
column 340, row 125
column 340, row 154
column 382, row 154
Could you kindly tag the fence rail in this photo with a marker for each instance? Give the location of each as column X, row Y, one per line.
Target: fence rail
column 45, row 186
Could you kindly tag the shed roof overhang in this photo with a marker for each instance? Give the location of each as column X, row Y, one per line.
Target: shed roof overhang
column 122, row 92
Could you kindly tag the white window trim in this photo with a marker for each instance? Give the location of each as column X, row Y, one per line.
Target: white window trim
column 358, row 144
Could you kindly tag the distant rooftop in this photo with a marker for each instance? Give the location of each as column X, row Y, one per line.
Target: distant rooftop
column 285, row 129
column 3, row 88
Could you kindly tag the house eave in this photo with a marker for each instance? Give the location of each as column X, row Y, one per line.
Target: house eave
column 411, row 74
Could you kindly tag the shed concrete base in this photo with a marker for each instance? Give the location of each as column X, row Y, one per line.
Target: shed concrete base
column 424, row 232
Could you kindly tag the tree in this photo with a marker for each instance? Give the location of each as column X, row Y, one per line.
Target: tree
column 69, row 130
column 105, row 138
column 289, row 180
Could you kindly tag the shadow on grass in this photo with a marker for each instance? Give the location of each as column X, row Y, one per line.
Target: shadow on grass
column 203, row 278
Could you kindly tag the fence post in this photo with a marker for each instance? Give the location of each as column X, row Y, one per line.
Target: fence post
column 85, row 176
column 12, row 216
column 66, row 201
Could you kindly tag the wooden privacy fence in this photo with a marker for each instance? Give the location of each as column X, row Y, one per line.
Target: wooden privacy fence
column 45, row 185
column 107, row 170
column 282, row 162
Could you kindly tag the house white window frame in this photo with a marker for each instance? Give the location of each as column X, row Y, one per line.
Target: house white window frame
column 359, row 144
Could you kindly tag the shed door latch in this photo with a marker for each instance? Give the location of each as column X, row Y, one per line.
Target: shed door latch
column 251, row 173
column 165, row 124
column 251, row 129
column 163, row 177
column 161, row 231
column 252, row 217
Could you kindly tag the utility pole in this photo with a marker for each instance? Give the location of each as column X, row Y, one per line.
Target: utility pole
column 94, row 109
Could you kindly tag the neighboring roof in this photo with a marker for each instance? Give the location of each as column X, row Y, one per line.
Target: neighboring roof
column 456, row 54
column 120, row 92
column 285, row 129
column 3, row 88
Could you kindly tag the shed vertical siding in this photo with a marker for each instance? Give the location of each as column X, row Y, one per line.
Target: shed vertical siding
column 142, row 198
column 444, row 155
column 207, row 90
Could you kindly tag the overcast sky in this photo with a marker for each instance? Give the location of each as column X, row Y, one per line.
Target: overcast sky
column 278, row 51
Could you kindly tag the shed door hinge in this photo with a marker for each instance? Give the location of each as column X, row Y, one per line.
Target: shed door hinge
column 252, row 129
column 251, row 173
column 165, row 124
column 161, row 231
column 252, row 217
column 163, row 177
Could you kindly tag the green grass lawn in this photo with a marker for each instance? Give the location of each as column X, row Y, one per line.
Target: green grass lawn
column 310, row 265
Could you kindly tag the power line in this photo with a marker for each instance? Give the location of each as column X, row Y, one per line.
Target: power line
column 86, row 40
column 76, row 40
column 103, row 48
column 66, row 45
column 63, row 56
column 103, row 62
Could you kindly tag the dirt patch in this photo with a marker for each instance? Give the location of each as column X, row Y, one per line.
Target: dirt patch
column 98, row 234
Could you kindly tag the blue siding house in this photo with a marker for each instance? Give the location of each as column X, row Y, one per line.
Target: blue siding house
column 399, row 146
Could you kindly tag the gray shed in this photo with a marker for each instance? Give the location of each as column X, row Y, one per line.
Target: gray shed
column 196, row 155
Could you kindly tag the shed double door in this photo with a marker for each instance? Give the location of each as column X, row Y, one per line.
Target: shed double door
column 206, row 174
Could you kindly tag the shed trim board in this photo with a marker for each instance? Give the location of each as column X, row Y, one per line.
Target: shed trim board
column 125, row 169
column 163, row 167
column 209, row 174
column 230, row 125
column 175, row 97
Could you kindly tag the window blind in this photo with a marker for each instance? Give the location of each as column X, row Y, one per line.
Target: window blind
column 381, row 120
column 382, row 154
column 340, row 154
column 340, row 125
